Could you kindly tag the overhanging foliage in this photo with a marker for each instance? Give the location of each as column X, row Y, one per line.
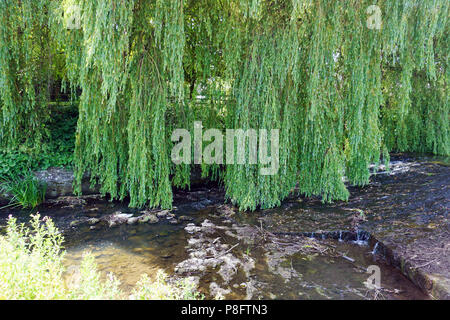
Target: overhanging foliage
column 341, row 93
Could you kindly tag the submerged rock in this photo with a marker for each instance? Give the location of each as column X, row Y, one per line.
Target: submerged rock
column 162, row 214
column 67, row 201
column 59, row 182
column 225, row 210
column 229, row 267
column 192, row 265
column 75, row 223
column 207, row 252
column 202, row 204
column 148, row 218
column 143, row 219
column 166, row 254
column 208, row 226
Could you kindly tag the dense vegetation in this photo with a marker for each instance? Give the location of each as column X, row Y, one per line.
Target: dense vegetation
column 31, row 268
column 342, row 93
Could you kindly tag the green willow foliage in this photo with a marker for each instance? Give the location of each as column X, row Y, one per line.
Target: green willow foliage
column 342, row 94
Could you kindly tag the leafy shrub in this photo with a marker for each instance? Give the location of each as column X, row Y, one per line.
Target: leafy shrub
column 14, row 163
column 31, row 267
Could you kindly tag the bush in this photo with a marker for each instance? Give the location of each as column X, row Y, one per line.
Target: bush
column 31, row 267
column 14, row 163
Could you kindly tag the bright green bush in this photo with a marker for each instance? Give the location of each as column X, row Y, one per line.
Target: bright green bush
column 31, row 268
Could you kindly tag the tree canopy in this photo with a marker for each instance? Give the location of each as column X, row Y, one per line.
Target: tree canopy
column 342, row 92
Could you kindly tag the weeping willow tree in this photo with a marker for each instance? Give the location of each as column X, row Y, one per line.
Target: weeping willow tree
column 341, row 92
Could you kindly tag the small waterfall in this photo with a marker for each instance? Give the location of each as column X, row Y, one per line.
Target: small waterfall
column 340, row 236
column 374, row 251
